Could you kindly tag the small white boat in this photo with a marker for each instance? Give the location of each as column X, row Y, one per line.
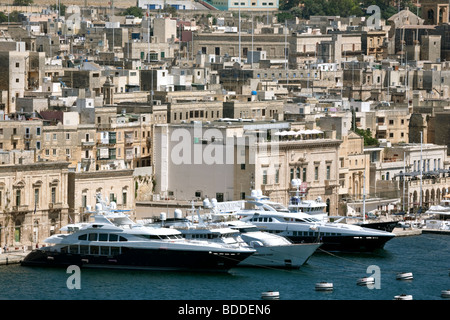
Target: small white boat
column 403, row 297
column 270, row 295
column 445, row 293
column 365, row 281
column 404, row 276
column 324, row 286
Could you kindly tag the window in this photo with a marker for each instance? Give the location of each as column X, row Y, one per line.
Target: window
column 328, row 172
column 219, row 197
column 18, row 194
column 277, row 175
column 124, row 198
column 316, row 173
column 103, row 237
column 113, row 237
column 84, row 201
column 82, row 237
column 92, row 237
column 36, row 197
column 38, row 131
column 304, row 175
column 264, row 180
column 53, row 194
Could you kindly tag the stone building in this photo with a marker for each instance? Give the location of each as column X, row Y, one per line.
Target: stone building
column 13, row 79
column 114, row 185
column 33, row 200
column 435, row 11
column 227, row 44
column 314, row 161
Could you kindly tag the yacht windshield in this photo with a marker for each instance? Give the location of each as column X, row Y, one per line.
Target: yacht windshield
column 279, row 207
column 248, row 229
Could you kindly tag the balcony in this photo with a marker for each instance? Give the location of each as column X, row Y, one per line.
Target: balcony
column 20, row 208
column 57, row 205
column 87, row 144
column 331, row 183
column 108, row 141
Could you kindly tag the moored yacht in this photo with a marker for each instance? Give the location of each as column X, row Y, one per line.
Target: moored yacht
column 442, row 210
column 316, row 208
column 271, row 250
column 115, row 241
column 302, row 228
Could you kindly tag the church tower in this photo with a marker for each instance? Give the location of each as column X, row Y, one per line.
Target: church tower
column 108, row 91
column 435, row 11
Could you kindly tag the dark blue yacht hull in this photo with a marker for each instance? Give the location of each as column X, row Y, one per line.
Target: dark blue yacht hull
column 345, row 243
column 141, row 259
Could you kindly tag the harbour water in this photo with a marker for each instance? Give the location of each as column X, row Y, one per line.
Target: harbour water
column 427, row 256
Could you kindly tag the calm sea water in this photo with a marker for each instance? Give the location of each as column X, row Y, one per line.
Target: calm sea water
column 427, row 256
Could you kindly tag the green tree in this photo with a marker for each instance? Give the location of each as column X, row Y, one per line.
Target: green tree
column 22, row 2
column 133, row 11
column 3, row 17
column 367, row 135
column 284, row 15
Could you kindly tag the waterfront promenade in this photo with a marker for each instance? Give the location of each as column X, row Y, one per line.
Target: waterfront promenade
column 12, row 257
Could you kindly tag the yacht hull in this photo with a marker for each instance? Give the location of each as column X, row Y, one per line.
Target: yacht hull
column 289, row 256
column 346, row 243
column 387, row 226
column 143, row 259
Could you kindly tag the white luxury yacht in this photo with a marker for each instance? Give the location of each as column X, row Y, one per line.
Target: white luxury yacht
column 115, row 241
column 271, row 250
column 303, row 228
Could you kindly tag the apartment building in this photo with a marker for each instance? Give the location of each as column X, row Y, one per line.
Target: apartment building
column 123, row 140
column 20, row 135
column 13, row 80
